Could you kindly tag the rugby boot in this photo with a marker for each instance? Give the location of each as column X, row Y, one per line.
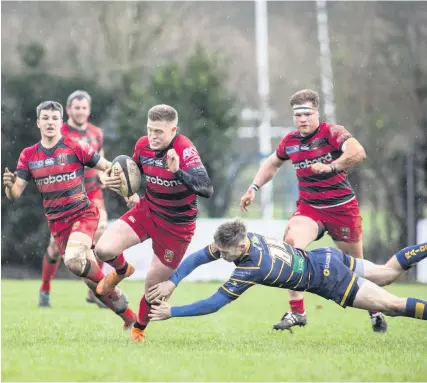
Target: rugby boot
column 137, row 335
column 44, row 299
column 379, row 323
column 291, row 319
column 109, row 282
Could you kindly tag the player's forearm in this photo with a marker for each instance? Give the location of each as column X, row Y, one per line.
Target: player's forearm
column 189, row 264
column 103, row 164
column 197, row 180
column 203, row 307
column 265, row 173
column 352, row 157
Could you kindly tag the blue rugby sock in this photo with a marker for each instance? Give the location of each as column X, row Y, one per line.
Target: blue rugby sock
column 409, row 256
column 416, row 308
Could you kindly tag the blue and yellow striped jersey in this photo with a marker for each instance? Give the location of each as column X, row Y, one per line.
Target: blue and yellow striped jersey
column 267, row 262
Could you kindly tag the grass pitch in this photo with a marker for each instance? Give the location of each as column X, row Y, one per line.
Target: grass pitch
column 75, row 341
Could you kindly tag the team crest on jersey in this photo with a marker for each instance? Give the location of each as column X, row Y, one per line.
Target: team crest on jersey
column 62, row 159
column 345, row 231
column 169, row 254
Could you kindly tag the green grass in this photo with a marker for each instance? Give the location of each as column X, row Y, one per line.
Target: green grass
column 74, row 341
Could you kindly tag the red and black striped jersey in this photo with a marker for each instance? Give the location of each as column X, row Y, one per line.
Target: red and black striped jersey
column 167, row 197
column 92, row 136
column 58, row 174
column 324, row 145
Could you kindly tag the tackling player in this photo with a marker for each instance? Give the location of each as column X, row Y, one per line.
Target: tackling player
column 327, row 272
column 77, row 128
column 167, row 213
column 56, row 164
column 321, row 154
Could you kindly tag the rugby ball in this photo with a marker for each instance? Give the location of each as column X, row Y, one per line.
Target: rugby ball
column 129, row 173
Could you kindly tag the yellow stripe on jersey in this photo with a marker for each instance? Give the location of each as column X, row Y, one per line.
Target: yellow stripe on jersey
column 247, row 267
column 271, row 269
column 308, row 283
column 228, row 291
column 351, row 263
column 347, row 291
column 290, row 276
column 260, row 257
column 239, row 280
column 280, row 272
column 211, row 252
column 300, row 279
column 419, row 310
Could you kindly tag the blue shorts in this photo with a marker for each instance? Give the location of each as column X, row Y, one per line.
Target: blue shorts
column 332, row 275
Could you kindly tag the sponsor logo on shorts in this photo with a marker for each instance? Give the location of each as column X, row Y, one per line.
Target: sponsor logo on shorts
column 307, row 163
column 345, row 232
column 326, row 271
column 56, row 178
column 162, row 181
column 169, row 254
column 132, row 218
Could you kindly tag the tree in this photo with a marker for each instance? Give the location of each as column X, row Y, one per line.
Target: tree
column 207, row 114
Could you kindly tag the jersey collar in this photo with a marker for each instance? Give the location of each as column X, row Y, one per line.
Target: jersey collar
column 161, row 153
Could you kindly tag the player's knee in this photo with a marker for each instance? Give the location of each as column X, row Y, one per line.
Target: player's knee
column 103, row 251
column 75, row 259
column 52, row 252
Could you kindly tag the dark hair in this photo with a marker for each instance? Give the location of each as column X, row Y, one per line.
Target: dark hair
column 230, row 233
column 50, row 105
column 303, row 96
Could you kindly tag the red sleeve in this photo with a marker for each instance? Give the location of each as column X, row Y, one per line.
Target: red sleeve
column 136, row 152
column 22, row 169
column 281, row 148
column 86, row 155
column 337, row 135
column 189, row 156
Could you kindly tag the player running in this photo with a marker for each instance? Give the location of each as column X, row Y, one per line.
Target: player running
column 56, row 164
column 321, row 154
column 77, row 128
column 327, row 272
column 175, row 176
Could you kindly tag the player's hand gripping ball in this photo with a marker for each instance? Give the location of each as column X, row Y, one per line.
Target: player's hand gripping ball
column 129, row 173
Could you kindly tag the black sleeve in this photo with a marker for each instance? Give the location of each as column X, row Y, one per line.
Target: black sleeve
column 197, row 180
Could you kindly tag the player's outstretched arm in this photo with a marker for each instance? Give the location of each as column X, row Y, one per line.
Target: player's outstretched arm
column 163, row 310
column 266, row 172
column 186, row 267
column 14, row 186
